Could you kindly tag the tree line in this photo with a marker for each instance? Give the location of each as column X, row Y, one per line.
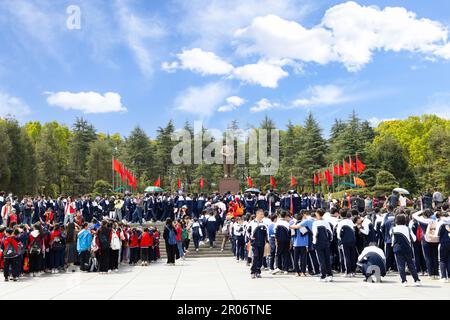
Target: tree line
column 53, row 158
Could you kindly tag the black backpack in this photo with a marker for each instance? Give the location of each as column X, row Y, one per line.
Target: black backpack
column 10, row 251
column 35, row 247
column 57, row 242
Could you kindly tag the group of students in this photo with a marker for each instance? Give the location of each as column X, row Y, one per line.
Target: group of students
column 347, row 240
column 94, row 247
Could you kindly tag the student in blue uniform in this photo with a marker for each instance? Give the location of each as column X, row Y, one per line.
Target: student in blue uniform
column 300, row 244
column 443, row 232
column 372, row 256
column 196, row 233
column 238, row 232
column 283, row 240
column 211, row 228
column 402, row 239
column 258, row 238
column 322, row 236
column 386, row 225
column 345, row 231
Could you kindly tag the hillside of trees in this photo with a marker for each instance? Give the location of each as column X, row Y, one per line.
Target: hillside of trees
column 56, row 159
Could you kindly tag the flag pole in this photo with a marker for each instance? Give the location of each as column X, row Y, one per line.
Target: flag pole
column 112, row 169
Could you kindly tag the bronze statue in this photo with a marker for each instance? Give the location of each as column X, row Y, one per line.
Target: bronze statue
column 227, row 152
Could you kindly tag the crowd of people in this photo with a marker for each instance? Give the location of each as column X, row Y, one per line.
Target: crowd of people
column 308, row 234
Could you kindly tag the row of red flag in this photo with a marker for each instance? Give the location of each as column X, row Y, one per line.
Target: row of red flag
column 158, row 183
column 346, row 168
column 125, row 175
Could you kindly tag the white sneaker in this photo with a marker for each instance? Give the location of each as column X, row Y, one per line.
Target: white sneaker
column 329, row 279
column 444, row 280
column 405, row 284
column 418, row 283
column 285, row 272
column 322, row 280
column 276, row 271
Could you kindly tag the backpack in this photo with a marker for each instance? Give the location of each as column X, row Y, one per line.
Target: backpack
column 35, row 247
column 93, row 264
column 57, row 242
column 115, row 241
column 172, row 239
column 104, row 241
column 239, row 210
column 419, row 234
column 184, row 234
column 10, row 251
column 431, row 233
column 94, row 244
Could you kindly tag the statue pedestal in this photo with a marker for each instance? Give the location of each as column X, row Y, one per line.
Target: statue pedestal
column 229, row 184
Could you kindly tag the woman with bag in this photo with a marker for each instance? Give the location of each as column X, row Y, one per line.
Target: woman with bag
column 170, row 238
column 430, row 241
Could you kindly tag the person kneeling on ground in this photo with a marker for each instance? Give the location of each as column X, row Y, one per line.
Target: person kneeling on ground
column 371, row 258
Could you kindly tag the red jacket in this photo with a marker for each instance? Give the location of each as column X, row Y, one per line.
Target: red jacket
column 179, row 231
column 40, row 240
column 134, row 240
column 146, row 240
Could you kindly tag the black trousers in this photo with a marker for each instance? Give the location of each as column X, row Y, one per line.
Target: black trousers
column 113, row 259
column 134, row 255
column 404, row 259
column 349, row 256
column 103, row 260
column 196, row 238
column 257, row 260
column 430, row 251
column 390, row 259
column 171, row 250
column 240, row 248
column 273, row 250
column 444, row 260
column 324, row 261
column 11, row 267
column 313, row 262
column 300, row 257
column 283, row 256
column 36, row 263
column 84, row 260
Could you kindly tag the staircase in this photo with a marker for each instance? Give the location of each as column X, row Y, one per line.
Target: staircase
column 204, row 250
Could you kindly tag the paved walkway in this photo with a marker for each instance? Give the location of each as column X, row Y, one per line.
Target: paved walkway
column 209, row 278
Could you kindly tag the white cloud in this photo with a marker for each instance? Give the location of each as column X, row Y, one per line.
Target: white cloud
column 87, row 102
column 323, row 96
column 139, row 32
column 265, row 105
column 13, row 106
column 439, row 104
column 263, row 73
column 202, row 100
column 348, row 33
column 211, row 24
column 233, row 103
column 200, row 61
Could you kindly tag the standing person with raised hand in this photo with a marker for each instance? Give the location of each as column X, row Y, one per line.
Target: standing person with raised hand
column 430, row 241
column 300, row 244
column 402, row 239
column 386, row 226
column 322, row 236
column 443, row 232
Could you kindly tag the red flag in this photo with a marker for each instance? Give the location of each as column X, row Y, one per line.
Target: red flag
column 117, row 167
column 329, row 177
column 158, row 182
column 293, row 182
column 359, row 165
column 179, row 183
column 249, row 181
column 335, row 170
column 340, row 169
column 320, row 176
column 352, row 165
column 202, row 183
column 316, row 180
column 346, row 167
column 129, row 176
column 272, row 182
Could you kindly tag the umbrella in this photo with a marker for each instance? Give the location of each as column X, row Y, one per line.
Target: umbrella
column 253, row 190
column 401, row 190
column 153, row 189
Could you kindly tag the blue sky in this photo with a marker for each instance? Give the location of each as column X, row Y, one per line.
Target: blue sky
column 145, row 62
